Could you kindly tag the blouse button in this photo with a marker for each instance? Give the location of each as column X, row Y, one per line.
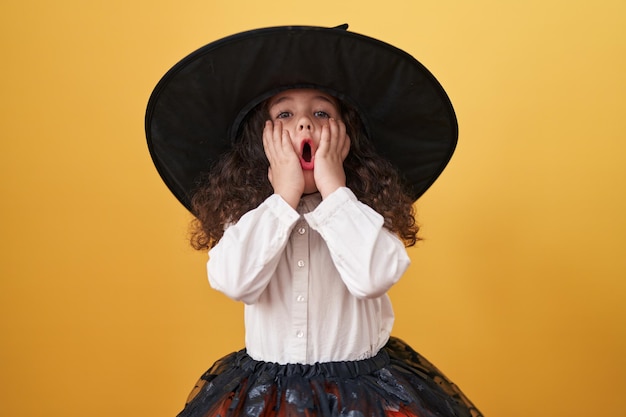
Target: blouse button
column 300, row 334
column 302, row 230
column 300, row 263
column 300, row 298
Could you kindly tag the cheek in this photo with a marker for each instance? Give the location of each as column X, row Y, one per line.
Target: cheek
column 318, row 127
column 321, row 123
column 290, row 132
column 296, row 144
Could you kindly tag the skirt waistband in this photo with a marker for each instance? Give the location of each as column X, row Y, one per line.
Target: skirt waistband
column 340, row 369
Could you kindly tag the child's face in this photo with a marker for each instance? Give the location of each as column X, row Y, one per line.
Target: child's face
column 302, row 113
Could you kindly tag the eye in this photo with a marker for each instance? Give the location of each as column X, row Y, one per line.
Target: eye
column 321, row 114
column 283, row 115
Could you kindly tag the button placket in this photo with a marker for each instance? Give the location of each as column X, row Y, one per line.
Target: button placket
column 300, row 284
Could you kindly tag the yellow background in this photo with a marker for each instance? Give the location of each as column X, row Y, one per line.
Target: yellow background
column 518, row 292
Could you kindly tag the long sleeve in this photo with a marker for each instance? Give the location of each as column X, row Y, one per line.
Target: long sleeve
column 244, row 260
column 369, row 258
column 313, row 279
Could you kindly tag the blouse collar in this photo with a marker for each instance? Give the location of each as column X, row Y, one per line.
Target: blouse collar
column 309, row 202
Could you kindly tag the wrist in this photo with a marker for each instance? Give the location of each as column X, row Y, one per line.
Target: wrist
column 327, row 190
column 291, row 198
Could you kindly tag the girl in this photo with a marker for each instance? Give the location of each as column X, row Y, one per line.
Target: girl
column 300, row 162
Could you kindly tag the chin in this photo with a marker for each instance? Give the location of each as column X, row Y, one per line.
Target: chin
column 309, row 183
column 310, row 190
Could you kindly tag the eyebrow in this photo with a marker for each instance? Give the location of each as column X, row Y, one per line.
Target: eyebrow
column 289, row 98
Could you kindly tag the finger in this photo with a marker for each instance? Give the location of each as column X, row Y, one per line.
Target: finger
column 332, row 135
column 273, row 138
column 344, row 142
column 346, row 148
column 281, row 139
column 278, row 130
column 285, row 142
column 267, row 139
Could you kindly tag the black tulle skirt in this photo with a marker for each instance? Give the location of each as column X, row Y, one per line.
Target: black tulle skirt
column 396, row 382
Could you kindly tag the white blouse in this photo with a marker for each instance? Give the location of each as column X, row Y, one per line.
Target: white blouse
column 314, row 280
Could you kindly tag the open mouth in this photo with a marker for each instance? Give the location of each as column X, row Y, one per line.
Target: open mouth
column 306, row 155
column 306, row 152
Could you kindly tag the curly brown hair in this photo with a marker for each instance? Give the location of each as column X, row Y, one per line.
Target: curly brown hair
column 238, row 182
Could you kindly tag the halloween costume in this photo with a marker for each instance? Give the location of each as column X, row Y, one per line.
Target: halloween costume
column 314, row 280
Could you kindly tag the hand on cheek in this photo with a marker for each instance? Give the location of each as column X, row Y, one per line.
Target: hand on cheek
column 332, row 151
column 285, row 172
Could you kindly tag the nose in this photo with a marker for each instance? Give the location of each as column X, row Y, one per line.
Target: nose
column 305, row 124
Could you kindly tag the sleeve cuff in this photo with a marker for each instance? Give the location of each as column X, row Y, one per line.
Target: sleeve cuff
column 282, row 210
column 329, row 206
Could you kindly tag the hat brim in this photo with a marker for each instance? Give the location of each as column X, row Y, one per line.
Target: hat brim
column 195, row 110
